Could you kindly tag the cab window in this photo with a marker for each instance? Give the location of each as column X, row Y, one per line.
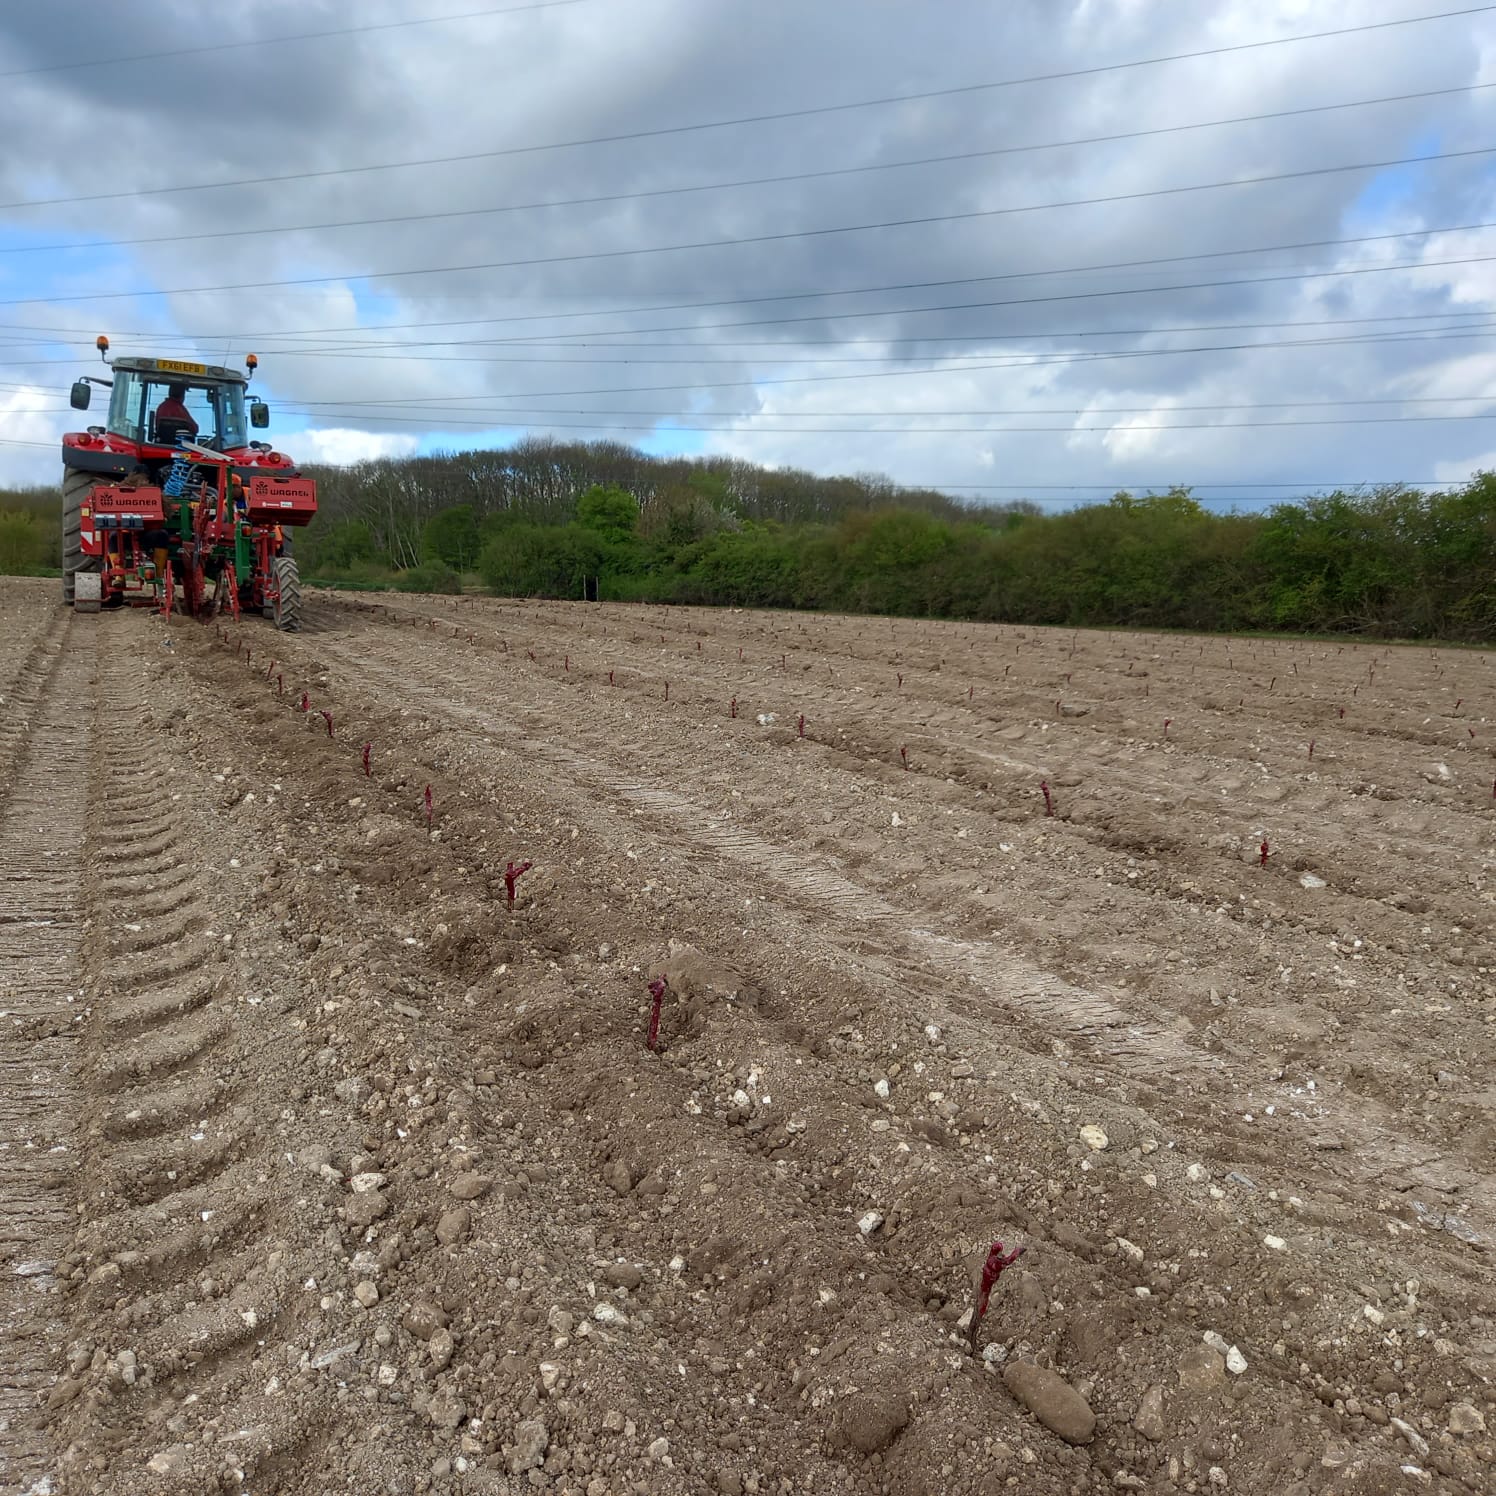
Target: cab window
column 136, row 402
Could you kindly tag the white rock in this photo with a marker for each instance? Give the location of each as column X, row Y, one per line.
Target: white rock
column 169, row 1461
column 870, row 1222
column 1276, row 1243
column 1216, row 1341
column 550, row 1373
column 1415, row 1441
column 1236, row 1363
column 606, row 1314
column 365, row 1184
column 1466, row 1418
column 659, row 1449
column 1093, row 1137
column 932, row 1033
column 881, row 1087
column 1372, row 1313
column 1310, row 881
column 1197, row 1173
column 1130, row 1249
column 366, row 1293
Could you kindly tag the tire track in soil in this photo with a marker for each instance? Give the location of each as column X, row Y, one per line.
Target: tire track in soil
column 20, row 700
column 179, row 1273
column 46, row 746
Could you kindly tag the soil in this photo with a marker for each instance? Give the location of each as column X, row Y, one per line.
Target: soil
column 324, row 1169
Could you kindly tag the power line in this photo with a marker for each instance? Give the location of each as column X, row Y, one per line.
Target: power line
column 1040, row 361
column 240, row 232
column 368, row 351
column 1010, row 410
column 823, row 294
column 743, row 240
column 437, row 418
column 1156, row 330
column 278, row 41
column 322, row 410
column 1001, row 410
column 961, row 306
column 1023, row 361
column 953, row 361
column 755, row 119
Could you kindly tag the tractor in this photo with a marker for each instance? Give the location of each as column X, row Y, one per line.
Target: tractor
column 170, row 505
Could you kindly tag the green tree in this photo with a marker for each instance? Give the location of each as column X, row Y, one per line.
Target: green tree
column 23, row 546
column 451, row 536
column 757, row 567
column 541, row 560
column 340, row 546
column 610, row 512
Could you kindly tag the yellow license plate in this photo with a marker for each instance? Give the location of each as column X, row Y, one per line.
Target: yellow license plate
column 175, row 366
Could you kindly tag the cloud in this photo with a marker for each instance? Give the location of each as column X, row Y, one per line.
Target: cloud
column 371, row 359
column 340, row 447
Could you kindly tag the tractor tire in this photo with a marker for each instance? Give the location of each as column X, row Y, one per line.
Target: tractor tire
column 285, row 550
column 76, row 487
column 287, row 612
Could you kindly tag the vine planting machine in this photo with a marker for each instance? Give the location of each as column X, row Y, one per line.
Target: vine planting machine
column 170, row 505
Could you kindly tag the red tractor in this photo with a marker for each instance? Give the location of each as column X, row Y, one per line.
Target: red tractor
column 170, row 504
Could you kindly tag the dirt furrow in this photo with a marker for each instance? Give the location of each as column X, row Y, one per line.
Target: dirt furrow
column 42, row 821
column 180, row 1273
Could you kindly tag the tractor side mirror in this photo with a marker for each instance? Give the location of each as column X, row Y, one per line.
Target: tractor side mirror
column 81, row 395
column 259, row 414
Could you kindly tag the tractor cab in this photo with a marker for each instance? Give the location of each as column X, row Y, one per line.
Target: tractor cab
column 156, row 401
column 155, row 410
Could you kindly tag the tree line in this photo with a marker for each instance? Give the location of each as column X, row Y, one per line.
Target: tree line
column 30, row 530
column 603, row 520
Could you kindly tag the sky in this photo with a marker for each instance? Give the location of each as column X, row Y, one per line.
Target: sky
column 1004, row 250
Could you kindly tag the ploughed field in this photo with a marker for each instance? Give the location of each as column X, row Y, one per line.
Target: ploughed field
column 324, row 1169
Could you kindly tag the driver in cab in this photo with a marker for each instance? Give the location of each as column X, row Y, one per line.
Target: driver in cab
column 173, row 419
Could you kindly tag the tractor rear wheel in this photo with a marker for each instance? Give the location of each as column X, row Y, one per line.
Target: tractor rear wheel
column 76, row 487
column 288, row 603
column 285, row 550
